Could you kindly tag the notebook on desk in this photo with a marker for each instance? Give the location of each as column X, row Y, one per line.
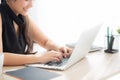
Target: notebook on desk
column 31, row 73
column 81, row 49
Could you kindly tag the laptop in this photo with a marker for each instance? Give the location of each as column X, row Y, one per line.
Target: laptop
column 80, row 50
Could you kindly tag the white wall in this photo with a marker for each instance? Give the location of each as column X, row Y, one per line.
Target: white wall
column 63, row 20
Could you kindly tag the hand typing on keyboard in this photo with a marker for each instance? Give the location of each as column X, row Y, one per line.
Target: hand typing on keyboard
column 49, row 56
column 54, row 55
column 66, row 51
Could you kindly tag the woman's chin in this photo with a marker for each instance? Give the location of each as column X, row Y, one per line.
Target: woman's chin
column 24, row 14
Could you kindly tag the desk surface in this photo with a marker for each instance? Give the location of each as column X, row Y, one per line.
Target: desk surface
column 95, row 66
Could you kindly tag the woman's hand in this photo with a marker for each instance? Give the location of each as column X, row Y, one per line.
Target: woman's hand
column 49, row 56
column 66, row 51
column 54, row 55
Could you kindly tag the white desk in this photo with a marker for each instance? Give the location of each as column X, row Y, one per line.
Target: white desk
column 95, row 66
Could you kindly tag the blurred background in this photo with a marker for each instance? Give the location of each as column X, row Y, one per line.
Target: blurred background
column 64, row 20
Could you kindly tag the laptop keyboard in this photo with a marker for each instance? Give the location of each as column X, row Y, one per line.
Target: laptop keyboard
column 62, row 62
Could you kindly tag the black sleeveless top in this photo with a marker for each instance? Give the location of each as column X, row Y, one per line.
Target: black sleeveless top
column 12, row 42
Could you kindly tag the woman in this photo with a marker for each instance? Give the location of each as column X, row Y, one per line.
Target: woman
column 18, row 33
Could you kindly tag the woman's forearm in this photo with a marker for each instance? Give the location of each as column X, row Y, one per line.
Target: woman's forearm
column 18, row 59
column 50, row 45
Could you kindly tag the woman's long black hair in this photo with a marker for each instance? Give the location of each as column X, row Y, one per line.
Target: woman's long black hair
column 28, row 39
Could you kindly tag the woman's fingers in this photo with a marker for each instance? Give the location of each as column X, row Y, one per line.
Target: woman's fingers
column 66, row 51
column 55, row 56
column 58, row 56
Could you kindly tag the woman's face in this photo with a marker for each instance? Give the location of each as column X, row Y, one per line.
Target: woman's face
column 21, row 6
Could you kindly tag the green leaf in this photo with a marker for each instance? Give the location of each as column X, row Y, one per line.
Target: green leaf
column 118, row 30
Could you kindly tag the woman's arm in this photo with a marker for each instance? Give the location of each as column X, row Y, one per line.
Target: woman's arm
column 39, row 37
column 18, row 59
